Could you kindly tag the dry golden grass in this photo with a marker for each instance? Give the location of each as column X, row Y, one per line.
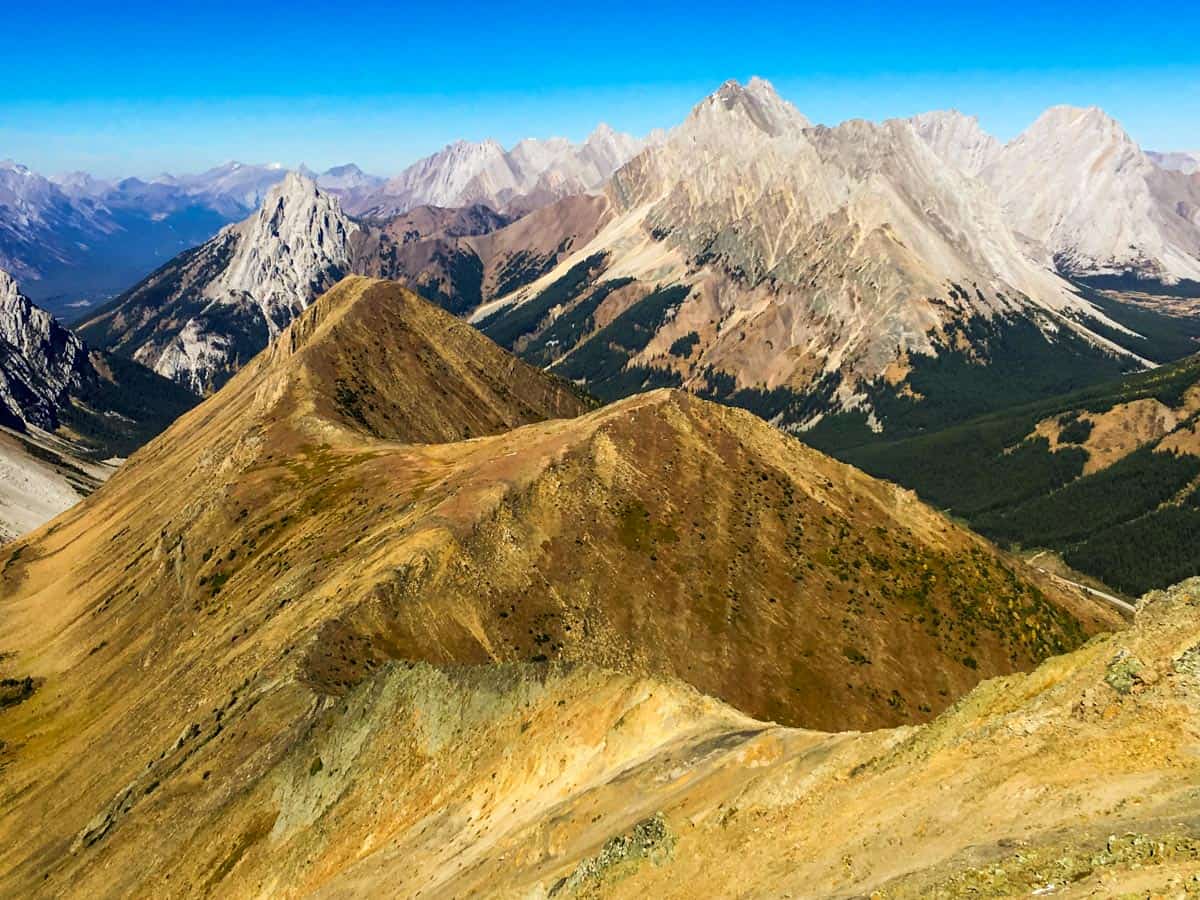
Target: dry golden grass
column 376, row 618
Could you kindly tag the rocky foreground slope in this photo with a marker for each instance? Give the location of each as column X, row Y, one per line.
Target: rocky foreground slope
column 378, row 600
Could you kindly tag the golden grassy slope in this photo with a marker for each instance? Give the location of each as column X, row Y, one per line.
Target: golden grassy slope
column 248, row 648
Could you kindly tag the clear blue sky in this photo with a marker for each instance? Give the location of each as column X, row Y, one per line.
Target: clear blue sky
column 143, row 87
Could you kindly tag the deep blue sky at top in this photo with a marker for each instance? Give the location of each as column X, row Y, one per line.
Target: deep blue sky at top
column 140, row 87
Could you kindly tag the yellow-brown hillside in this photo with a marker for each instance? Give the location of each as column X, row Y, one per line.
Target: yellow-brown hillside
column 321, row 610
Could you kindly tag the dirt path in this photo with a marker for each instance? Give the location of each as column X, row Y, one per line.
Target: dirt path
column 1116, row 602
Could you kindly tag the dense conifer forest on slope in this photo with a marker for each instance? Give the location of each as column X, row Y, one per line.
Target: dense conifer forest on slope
column 1135, row 524
column 962, row 435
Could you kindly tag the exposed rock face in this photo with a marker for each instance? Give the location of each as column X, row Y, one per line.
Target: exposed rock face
column 196, row 320
column 75, row 239
column 958, row 139
column 532, row 174
column 40, row 360
column 1077, row 183
column 813, row 255
column 50, row 382
column 298, row 241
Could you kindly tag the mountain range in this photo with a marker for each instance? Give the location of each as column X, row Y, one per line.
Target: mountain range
column 747, row 255
column 530, row 175
column 76, row 239
column 754, row 510
column 824, row 267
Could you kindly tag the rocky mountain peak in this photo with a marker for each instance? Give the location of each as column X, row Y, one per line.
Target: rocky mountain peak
column 1079, row 184
column 1075, row 126
column 957, row 139
column 39, row 358
column 756, row 102
column 11, row 165
column 299, row 239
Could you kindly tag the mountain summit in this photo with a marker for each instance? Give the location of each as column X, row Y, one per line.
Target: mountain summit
column 213, row 308
column 1078, row 183
column 757, row 101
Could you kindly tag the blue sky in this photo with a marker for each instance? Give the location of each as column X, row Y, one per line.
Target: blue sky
column 145, row 87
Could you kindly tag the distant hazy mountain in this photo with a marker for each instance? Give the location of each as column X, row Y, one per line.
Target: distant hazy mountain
column 234, row 187
column 1186, row 162
column 531, row 174
column 345, row 180
column 76, row 238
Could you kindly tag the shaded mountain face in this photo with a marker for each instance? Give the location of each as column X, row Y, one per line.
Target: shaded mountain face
column 64, row 409
column 382, row 495
column 464, row 258
column 40, row 360
column 532, row 174
column 797, row 270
